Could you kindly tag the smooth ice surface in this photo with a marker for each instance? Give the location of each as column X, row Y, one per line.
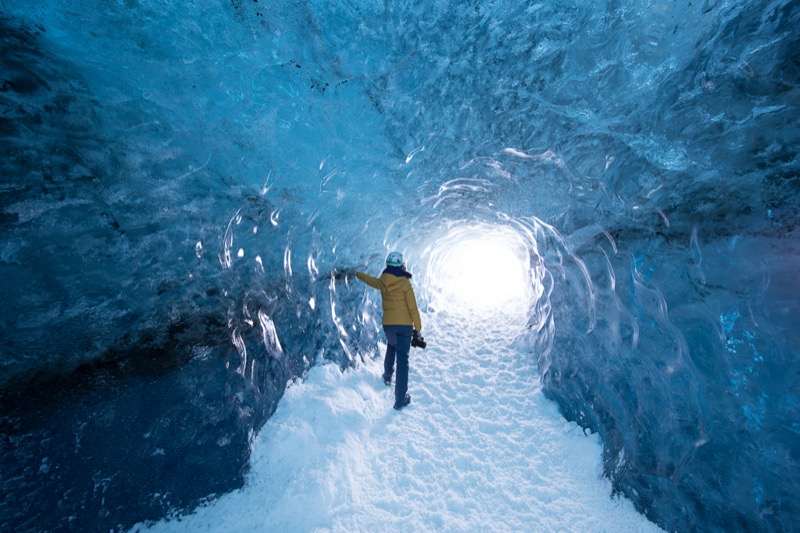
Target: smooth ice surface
column 478, row 449
column 186, row 187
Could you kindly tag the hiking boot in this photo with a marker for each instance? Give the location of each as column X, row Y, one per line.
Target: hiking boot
column 387, row 380
column 400, row 405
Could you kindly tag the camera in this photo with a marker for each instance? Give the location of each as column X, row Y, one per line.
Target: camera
column 417, row 341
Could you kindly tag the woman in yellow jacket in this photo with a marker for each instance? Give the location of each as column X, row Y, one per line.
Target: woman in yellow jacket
column 400, row 321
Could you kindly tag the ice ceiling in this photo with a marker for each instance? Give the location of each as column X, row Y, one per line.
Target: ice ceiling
column 187, row 185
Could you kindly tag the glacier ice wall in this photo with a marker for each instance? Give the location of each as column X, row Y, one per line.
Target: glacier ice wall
column 185, row 184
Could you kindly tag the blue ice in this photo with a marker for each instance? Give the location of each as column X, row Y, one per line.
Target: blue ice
column 187, row 186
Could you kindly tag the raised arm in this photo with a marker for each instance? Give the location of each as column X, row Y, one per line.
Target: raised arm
column 375, row 283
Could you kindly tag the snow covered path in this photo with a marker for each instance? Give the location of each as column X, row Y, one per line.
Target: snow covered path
column 478, row 449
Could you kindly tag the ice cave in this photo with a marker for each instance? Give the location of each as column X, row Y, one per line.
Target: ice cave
column 599, row 203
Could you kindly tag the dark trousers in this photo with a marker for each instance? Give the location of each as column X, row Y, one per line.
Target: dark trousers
column 398, row 344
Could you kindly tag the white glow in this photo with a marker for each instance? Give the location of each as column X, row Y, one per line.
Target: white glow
column 479, row 268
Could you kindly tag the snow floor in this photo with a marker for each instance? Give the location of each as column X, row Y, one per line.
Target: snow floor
column 478, row 449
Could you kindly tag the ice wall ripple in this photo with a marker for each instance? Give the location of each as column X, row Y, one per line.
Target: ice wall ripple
column 134, row 368
column 619, row 365
column 649, row 149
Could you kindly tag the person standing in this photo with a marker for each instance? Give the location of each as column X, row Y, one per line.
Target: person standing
column 401, row 321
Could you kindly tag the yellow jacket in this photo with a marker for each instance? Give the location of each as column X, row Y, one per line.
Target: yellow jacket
column 399, row 301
